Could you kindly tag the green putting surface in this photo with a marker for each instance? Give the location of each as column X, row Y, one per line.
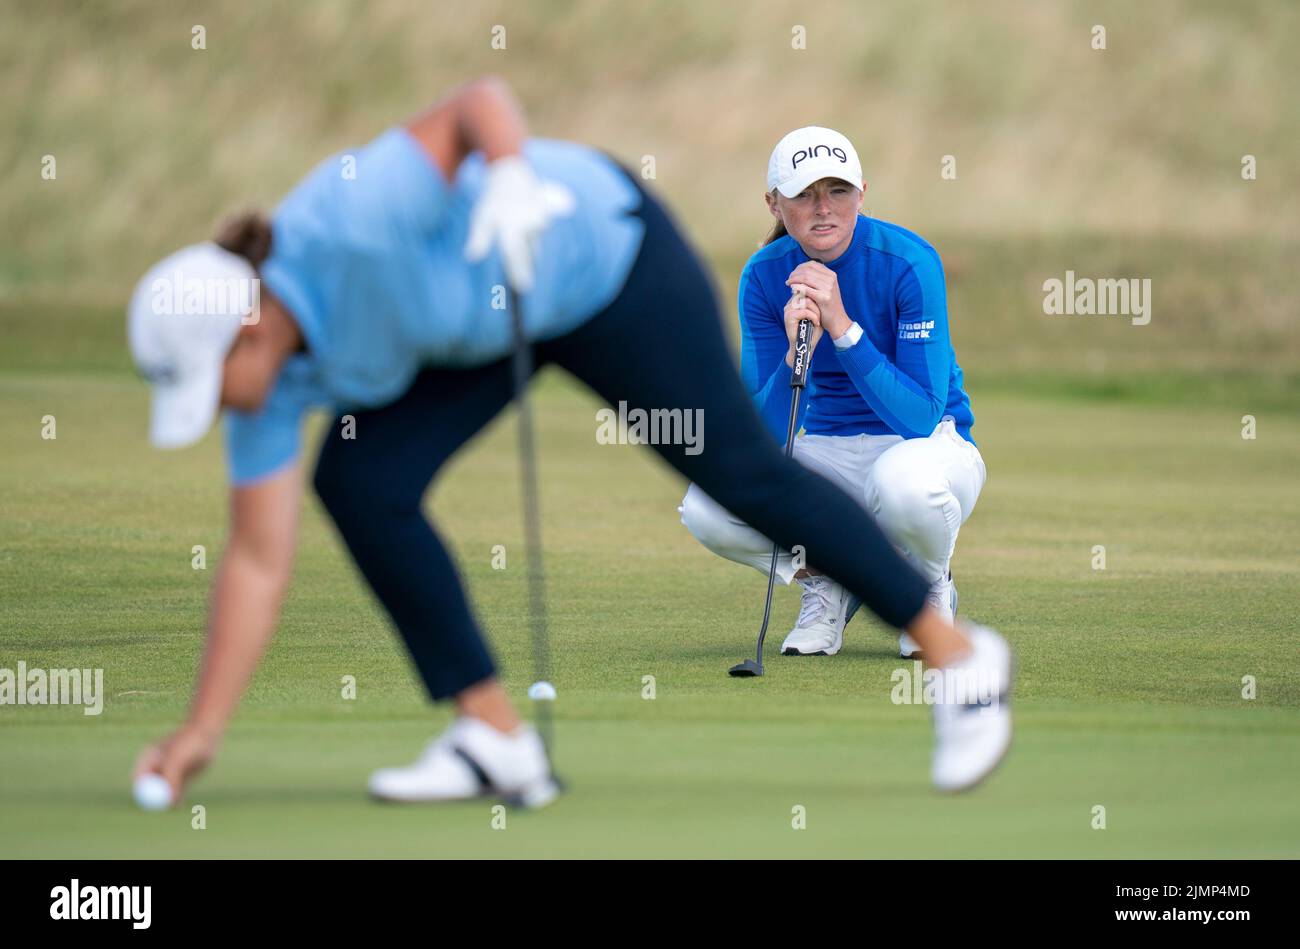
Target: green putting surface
column 1129, row 695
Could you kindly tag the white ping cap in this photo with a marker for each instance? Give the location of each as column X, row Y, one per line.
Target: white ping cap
column 810, row 154
column 181, row 322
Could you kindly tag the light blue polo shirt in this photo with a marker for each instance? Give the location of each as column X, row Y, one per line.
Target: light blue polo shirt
column 368, row 256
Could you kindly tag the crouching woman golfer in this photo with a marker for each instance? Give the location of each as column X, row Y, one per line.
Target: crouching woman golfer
column 888, row 420
column 381, row 276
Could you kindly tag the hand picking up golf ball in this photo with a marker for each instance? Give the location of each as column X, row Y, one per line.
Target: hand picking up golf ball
column 152, row 792
column 541, row 692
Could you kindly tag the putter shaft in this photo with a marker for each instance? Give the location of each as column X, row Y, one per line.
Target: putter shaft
column 540, row 635
column 798, row 379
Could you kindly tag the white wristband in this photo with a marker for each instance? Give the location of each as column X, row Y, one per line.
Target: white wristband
column 850, row 337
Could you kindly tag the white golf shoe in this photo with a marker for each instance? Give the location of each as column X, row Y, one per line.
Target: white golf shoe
column 472, row 759
column 943, row 597
column 972, row 716
column 819, row 630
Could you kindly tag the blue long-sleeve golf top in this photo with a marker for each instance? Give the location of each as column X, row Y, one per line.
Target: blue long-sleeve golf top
column 901, row 376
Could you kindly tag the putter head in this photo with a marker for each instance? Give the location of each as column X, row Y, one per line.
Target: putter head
column 745, row 670
column 538, row 795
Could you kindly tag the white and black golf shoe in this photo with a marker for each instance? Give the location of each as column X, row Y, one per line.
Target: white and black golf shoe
column 972, row 714
column 471, row 759
column 819, row 630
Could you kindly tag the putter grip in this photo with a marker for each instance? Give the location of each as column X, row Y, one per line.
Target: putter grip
column 802, row 354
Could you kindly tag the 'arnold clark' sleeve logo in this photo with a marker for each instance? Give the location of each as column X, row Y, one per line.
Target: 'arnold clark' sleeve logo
column 920, row 329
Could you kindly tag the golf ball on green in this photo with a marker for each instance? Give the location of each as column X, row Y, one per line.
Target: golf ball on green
column 541, row 692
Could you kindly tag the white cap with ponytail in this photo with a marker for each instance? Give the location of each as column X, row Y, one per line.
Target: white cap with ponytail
column 181, row 322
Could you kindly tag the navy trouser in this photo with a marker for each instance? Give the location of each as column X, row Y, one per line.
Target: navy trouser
column 659, row 345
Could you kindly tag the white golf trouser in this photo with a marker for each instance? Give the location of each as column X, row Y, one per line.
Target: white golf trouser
column 920, row 490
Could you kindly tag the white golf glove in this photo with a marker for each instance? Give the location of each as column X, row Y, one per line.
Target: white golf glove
column 511, row 213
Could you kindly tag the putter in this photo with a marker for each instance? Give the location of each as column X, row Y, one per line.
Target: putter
column 523, row 369
column 798, row 379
